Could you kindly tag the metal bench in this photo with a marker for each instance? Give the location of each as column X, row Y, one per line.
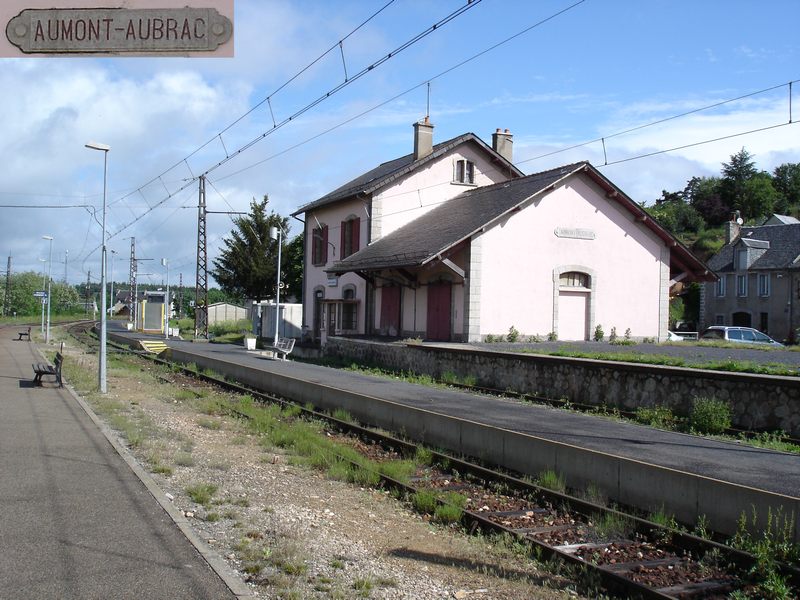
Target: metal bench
column 23, row 334
column 42, row 369
column 283, row 348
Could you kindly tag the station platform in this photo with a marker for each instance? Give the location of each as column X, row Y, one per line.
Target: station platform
column 645, row 467
column 76, row 521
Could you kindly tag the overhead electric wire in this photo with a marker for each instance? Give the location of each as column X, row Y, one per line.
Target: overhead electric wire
column 664, row 120
column 450, row 17
column 411, row 89
column 218, row 135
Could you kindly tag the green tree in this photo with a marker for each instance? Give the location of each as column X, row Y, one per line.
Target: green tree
column 759, row 197
column 704, row 195
column 293, row 269
column 247, row 262
column 673, row 213
column 786, row 181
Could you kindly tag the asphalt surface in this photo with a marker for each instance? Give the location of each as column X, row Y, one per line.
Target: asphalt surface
column 728, row 461
column 75, row 521
column 692, row 352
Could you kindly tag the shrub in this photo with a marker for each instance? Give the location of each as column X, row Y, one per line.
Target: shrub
column 552, row 336
column 710, row 415
column 656, row 416
column 424, row 501
column 612, row 337
column 513, row 334
column 628, row 333
column 489, row 339
column 552, row 481
column 599, row 334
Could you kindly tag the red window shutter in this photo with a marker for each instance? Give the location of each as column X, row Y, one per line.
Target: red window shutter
column 343, row 235
column 356, row 234
column 324, row 252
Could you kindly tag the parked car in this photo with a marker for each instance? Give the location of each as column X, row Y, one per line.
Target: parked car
column 744, row 335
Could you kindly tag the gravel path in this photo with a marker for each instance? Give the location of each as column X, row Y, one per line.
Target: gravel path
column 292, row 533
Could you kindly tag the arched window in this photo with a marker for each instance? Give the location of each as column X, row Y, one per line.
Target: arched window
column 350, row 236
column 319, row 245
column 574, row 279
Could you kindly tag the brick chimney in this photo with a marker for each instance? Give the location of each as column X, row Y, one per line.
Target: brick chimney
column 732, row 227
column 423, row 138
column 502, row 143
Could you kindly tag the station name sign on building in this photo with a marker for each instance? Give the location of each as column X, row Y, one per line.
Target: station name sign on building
column 119, row 30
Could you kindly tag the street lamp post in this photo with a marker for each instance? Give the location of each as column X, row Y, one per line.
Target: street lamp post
column 167, row 303
column 276, row 233
column 104, row 148
column 44, row 281
column 111, row 277
column 49, row 281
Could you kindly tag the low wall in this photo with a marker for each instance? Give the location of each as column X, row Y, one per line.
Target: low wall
column 761, row 402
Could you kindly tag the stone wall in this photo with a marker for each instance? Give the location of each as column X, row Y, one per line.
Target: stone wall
column 762, row 402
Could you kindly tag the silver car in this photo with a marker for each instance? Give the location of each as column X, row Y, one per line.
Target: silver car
column 744, row 335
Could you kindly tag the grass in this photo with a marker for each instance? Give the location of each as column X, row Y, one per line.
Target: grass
column 552, row 481
column 201, row 493
column 184, row 459
column 613, row 525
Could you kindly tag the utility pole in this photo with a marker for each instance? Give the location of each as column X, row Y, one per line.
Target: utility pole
column 180, row 295
column 88, row 281
column 132, row 279
column 66, row 258
column 8, row 288
column 201, row 281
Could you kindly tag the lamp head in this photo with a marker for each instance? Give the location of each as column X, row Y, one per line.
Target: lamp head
column 98, row 146
column 47, row 237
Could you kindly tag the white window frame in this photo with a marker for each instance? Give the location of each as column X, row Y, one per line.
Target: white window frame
column 464, row 172
column 722, row 285
column 764, row 285
column 741, row 286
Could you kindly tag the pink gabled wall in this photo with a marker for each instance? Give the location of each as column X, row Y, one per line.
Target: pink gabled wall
column 426, row 188
column 391, row 207
column 518, row 258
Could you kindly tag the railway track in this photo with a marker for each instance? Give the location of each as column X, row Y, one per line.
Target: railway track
column 630, row 556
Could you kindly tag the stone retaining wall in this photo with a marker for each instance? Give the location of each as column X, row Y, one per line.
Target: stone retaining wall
column 762, row 402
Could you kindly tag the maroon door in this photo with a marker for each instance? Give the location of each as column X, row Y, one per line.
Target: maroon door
column 390, row 310
column 439, row 297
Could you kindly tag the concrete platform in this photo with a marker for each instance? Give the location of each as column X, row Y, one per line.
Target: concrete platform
column 634, row 464
column 76, row 521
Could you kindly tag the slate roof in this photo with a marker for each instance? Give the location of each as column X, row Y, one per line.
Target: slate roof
column 783, row 251
column 389, row 171
column 444, row 227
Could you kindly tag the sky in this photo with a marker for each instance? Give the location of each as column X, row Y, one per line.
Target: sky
column 573, row 73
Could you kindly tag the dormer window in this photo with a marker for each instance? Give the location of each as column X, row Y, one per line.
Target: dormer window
column 741, row 259
column 464, row 172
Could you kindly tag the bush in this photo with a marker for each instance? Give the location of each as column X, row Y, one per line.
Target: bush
column 656, row 416
column 612, row 337
column 513, row 334
column 224, row 327
column 552, row 336
column 710, row 415
column 599, row 334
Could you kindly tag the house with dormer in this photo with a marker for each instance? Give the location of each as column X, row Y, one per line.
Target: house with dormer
column 454, row 243
column 758, row 283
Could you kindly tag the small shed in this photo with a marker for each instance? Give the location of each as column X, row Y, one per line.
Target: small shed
column 222, row 311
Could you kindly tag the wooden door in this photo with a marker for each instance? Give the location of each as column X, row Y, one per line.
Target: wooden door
column 390, row 310
column 439, row 299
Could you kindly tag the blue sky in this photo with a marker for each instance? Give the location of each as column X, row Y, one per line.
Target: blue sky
column 597, row 69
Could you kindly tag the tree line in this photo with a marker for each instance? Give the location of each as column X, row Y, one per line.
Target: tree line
column 696, row 213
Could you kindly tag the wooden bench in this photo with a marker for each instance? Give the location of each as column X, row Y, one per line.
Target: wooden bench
column 23, row 334
column 283, row 348
column 42, row 369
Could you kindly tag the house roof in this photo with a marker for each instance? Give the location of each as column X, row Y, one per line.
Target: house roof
column 780, row 220
column 781, row 244
column 389, row 171
column 443, row 228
